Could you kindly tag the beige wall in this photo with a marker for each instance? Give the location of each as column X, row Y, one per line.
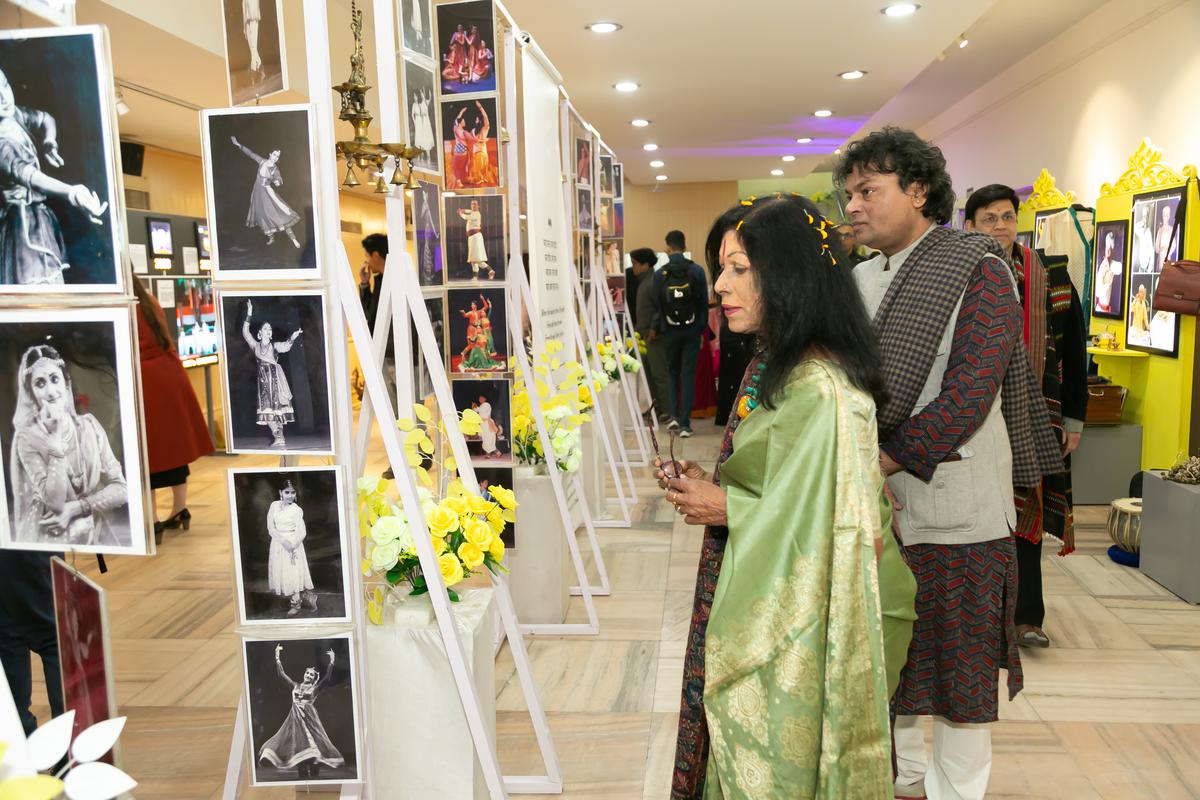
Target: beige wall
column 690, row 207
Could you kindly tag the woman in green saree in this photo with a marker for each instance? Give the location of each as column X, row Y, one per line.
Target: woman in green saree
column 802, row 644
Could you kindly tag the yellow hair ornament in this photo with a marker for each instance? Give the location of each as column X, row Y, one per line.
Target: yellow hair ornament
column 738, row 227
column 811, row 221
column 747, row 202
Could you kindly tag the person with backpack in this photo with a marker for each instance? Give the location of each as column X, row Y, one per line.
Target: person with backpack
column 680, row 314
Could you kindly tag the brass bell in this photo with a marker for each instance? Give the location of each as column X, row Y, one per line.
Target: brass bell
column 351, row 181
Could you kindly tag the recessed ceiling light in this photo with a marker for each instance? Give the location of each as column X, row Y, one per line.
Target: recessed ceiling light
column 804, row 140
column 604, row 27
column 789, row 159
column 852, row 75
column 777, row 172
column 900, row 9
column 657, row 164
column 822, row 113
column 660, row 177
column 963, row 42
column 650, row 148
column 639, row 123
column 626, row 86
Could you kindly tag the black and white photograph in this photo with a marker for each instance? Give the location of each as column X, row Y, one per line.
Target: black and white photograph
column 1039, row 227
column 491, row 400
column 59, row 185
column 70, row 434
column 277, row 392
column 1108, row 275
column 427, row 230
column 606, row 175
column 618, row 181
column 301, row 695
column 416, row 25
column 1154, row 217
column 583, row 209
column 421, row 113
column 436, row 306
column 474, row 238
column 478, row 330
column 467, row 44
column 255, row 56
column 261, row 192
column 498, row 476
column 288, row 550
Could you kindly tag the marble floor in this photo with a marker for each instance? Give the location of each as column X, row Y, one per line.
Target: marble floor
column 1111, row 711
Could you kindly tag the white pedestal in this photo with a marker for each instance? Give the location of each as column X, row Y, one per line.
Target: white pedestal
column 421, row 742
column 539, row 567
column 591, row 474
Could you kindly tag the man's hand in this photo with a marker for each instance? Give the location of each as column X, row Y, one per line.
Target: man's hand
column 1070, row 442
column 888, row 464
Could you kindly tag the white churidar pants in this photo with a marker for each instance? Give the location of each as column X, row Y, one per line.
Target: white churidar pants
column 962, row 758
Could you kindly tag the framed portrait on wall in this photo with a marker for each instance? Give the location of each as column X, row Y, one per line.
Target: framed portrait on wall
column 421, row 115
column 427, row 230
column 416, row 26
column 583, row 161
column 1108, row 271
column 466, row 47
column 1039, row 227
column 474, row 238
column 469, row 144
column 255, row 55
column 492, row 400
column 478, row 328
column 1153, row 240
column 67, row 234
column 583, row 209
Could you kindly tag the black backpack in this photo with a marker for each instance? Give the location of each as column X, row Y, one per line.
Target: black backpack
column 678, row 304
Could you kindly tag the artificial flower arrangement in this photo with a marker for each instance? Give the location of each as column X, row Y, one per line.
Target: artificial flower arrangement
column 464, row 527
column 81, row 774
column 614, row 359
column 636, row 341
column 564, row 408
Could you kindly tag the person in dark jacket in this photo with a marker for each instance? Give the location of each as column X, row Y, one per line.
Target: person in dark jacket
column 643, row 260
column 27, row 626
column 1057, row 344
column 681, row 312
column 375, row 248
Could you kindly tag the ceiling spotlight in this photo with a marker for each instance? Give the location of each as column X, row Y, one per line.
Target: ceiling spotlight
column 776, row 172
column 822, row 113
column 660, row 177
column 639, row 123
column 804, row 140
column 963, row 42
column 657, row 164
column 789, row 159
column 650, row 148
column 626, row 86
column 900, row 9
column 604, row 27
column 852, row 75
column 122, row 106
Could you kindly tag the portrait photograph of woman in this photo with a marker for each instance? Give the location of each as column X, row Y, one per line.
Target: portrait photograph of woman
column 59, row 185
column 254, row 49
column 583, row 162
column 467, row 44
column 288, row 536
column 69, row 433
column 491, row 400
column 416, row 27
column 1108, row 286
column 427, row 227
column 474, row 239
column 421, row 113
column 303, row 720
column 261, row 194
column 478, row 330
column 277, row 394
column 469, row 144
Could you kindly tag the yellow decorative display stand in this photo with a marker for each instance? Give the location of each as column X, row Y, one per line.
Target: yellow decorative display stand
column 1046, row 197
column 1161, row 388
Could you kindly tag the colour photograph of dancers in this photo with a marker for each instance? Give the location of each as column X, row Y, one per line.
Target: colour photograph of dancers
column 287, row 544
column 467, row 41
column 469, row 144
column 261, row 194
column 474, row 239
column 489, row 399
column 427, row 227
column 59, row 230
column 300, row 695
column 277, row 394
column 421, row 111
column 478, row 332
column 253, row 49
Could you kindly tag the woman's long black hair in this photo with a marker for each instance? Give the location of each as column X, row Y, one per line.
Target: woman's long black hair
column 808, row 302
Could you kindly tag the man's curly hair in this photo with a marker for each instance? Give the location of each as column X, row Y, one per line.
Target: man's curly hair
column 911, row 159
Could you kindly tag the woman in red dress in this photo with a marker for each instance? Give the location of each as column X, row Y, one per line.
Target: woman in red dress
column 176, row 434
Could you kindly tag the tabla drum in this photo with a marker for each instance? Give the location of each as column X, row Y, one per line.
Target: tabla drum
column 1125, row 523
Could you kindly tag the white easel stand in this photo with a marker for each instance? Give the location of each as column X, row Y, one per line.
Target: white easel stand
column 409, row 680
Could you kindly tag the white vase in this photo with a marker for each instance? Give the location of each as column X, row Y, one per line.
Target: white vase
column 420, row 742
column 539, row 566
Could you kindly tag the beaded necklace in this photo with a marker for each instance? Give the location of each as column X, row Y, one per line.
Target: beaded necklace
column 751, row 398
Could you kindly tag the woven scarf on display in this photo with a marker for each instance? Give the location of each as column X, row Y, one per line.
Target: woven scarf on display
column 911, row 322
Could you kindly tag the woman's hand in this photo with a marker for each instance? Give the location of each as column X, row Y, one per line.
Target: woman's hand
column 278, row 650
column 699, row 501
column 86, row 200
column 71, row 510
column 235, row 141
column 329, row 653
column 50, row 150
column 666, row 470
column 249, row 310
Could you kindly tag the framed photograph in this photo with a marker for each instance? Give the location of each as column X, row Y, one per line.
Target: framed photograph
column 194, row 319
column 606, row 175
column 416, row 27
column 421, row 113
column 469, row 143
column 583, row 257
column 583, row 209
column 1108, row 271
column 498, row 476
column 614, row 258
column 427, row 228
column 478, row 330
column 435, row 304
column 466, row 45
column 288, row 545
column 67, row 235
column 70, row 432
column 84, row 648
column 616, row 290
column 301, row 695
column 491, row 399
column 255, row 55
column 1025, row 239
column 608, row 218
column 1039, row 227
column 618, row 181
column 158, row 231
column 258, row 173
column 277, row 389
column 1153, row 241
column 474, row 244
column 583, row 161
column 203, row 241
